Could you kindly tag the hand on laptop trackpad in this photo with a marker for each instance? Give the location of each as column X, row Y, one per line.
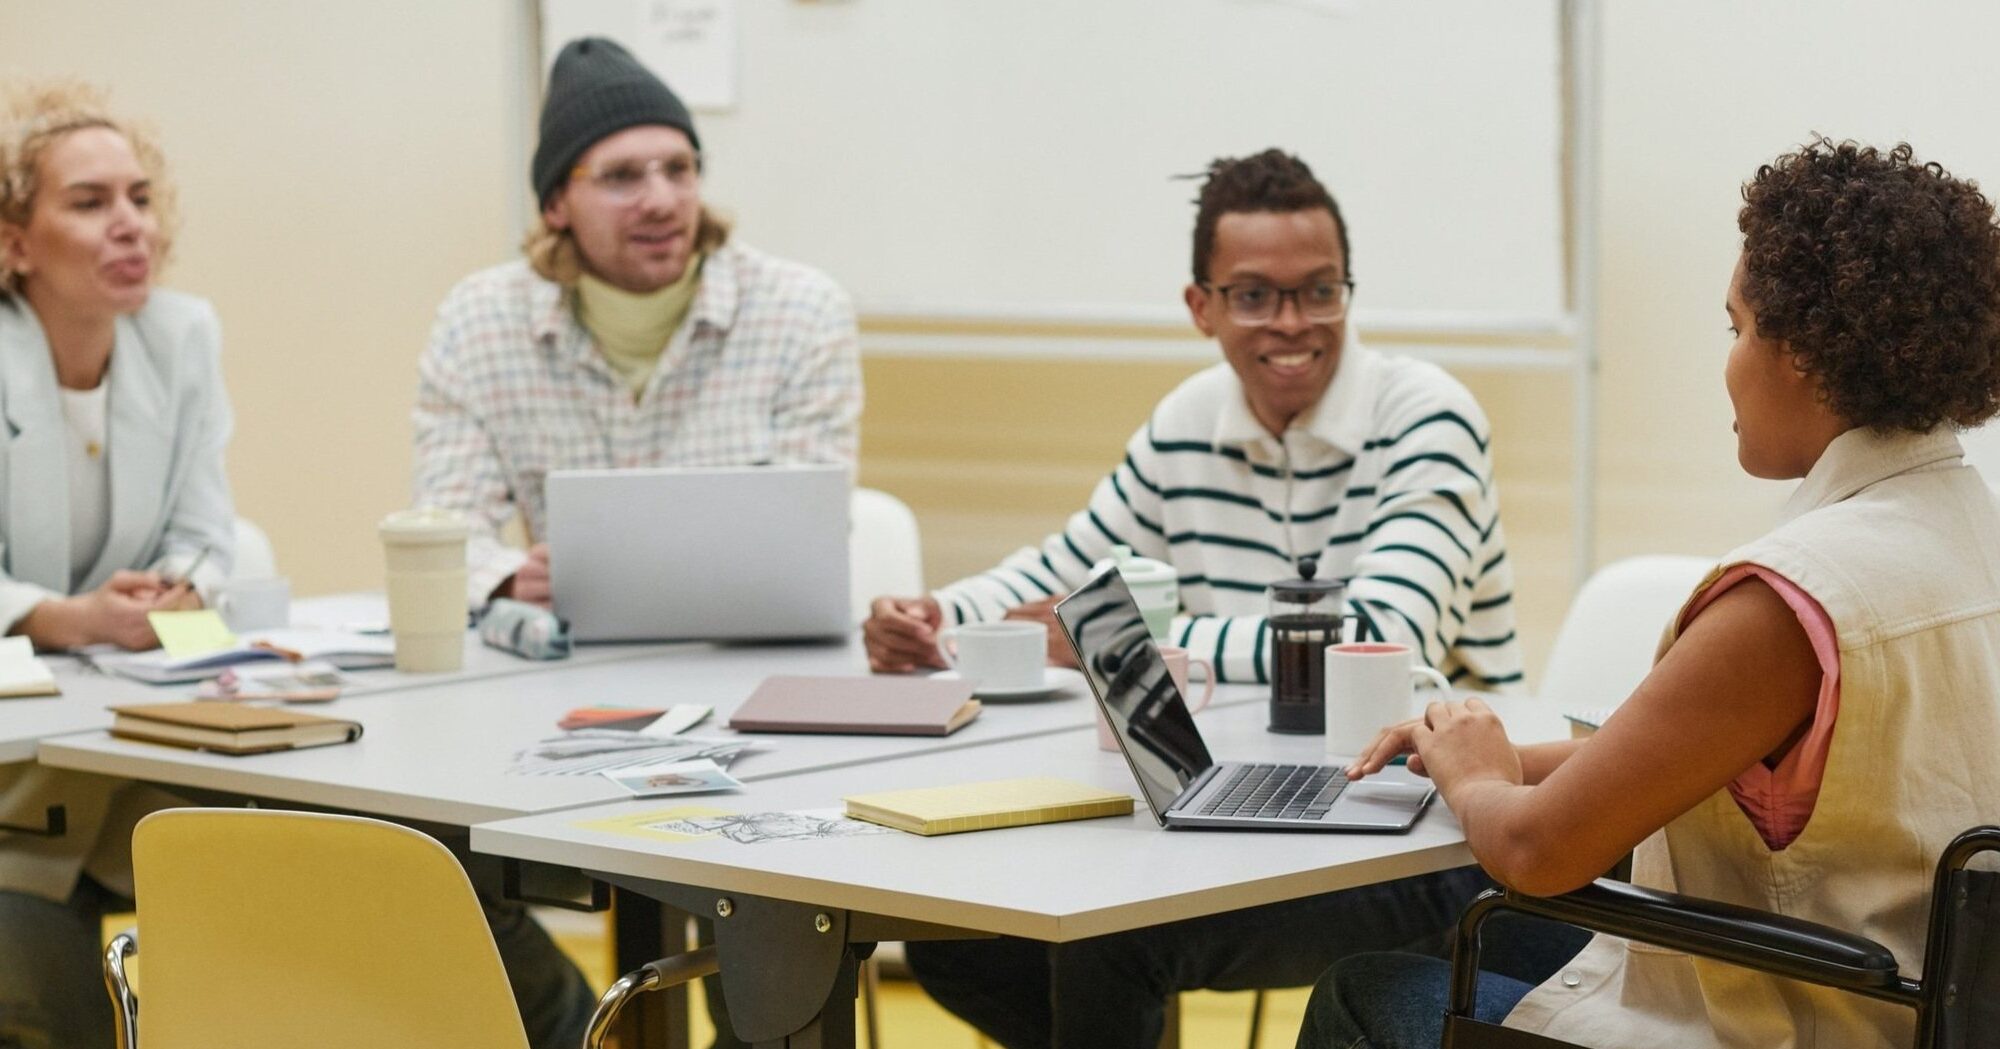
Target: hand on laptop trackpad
column 1379, row 788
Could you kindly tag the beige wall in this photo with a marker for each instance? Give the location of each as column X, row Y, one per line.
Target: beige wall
column 339, row 165
column 342, row 164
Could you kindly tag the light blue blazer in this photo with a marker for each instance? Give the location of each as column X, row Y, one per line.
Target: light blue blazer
column 167, row 421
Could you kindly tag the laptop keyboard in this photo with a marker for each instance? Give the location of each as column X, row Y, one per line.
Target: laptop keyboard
column 1285, row 791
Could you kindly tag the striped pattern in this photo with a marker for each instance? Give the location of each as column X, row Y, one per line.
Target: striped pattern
column 766, row 369
column 1389, row 482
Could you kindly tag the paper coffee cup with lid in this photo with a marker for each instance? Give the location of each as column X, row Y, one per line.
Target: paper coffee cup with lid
column 425, row 553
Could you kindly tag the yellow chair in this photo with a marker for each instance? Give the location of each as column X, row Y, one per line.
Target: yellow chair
column 307, row 930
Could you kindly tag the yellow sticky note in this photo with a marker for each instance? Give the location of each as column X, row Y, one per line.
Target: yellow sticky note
column 188, row 634
column 676, row 824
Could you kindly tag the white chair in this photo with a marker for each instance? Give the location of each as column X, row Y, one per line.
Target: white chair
column 883, row 553
column 1613, row 627
column 254, row 557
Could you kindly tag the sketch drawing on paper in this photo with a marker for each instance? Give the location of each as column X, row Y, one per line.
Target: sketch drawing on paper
column 753, row 828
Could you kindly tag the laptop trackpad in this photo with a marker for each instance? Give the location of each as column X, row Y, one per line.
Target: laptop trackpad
column 1377, row 803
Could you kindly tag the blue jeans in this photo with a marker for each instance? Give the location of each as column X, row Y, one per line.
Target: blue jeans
column 1110, row 992
column 1397, row 1001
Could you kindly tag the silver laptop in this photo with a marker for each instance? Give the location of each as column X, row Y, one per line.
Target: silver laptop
column 1183, row 786
column 710, row 553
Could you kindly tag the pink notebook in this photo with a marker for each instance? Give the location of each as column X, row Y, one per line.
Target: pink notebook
column 878, row 706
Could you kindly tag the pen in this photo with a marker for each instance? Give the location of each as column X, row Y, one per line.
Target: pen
column 187, row 577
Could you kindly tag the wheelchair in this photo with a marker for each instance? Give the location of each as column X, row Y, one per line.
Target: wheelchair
column 1956, row 996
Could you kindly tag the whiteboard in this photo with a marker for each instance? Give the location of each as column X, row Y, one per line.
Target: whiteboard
column 979, row 158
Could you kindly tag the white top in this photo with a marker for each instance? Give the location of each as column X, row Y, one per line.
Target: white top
column 89, row 476
column 1387, row 480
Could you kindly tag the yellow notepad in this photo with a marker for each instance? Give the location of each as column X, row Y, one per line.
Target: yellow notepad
column 985, row 806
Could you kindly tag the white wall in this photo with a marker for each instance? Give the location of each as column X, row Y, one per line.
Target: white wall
column 1696, row 94
column 343, row 164
column 1021, row 157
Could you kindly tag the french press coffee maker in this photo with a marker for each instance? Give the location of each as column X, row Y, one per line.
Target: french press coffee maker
column 1305, row 618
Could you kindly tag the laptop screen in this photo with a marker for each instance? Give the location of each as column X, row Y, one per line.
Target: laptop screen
column 1133, row 688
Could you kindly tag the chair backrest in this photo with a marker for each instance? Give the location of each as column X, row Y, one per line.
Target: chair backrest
column 254, row 557
column 1606, row 644
column 308, row 930
column 883, row 554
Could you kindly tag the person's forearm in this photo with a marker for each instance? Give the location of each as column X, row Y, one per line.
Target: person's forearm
column 1510, row 843
column 1540, row 759
column 53, row 624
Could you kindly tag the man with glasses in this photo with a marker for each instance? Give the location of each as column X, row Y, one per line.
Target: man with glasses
column 1302, row 441
column 635, row 333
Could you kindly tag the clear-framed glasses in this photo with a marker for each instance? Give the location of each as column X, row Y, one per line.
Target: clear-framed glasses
column 1321, row 300
column 624, row 180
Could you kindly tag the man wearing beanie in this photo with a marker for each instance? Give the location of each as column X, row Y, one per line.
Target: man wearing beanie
column 635, row 333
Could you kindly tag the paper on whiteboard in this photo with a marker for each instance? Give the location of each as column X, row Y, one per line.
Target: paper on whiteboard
column 691, row 44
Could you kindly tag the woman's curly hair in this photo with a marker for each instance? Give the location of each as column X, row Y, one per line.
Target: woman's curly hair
column 1883, row 275
column 35, row 116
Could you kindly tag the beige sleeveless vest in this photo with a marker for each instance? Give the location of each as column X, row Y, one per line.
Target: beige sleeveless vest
column 1900, row 542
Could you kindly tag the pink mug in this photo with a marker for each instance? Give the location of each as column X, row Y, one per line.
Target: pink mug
column 1178, row 661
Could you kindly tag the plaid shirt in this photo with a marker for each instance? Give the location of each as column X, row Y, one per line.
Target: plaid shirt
column 765, row 369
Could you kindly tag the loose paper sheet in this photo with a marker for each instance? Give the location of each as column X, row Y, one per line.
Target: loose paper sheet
column 743, row 828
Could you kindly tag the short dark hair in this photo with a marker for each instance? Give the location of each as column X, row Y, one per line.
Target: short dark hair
column 1883, row 275
column 1269, row 181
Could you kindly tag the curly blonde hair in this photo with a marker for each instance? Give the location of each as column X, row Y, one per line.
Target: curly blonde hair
column 554, row 255
column 35, row 117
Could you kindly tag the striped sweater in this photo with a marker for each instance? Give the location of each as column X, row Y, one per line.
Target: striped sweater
column 1387, row 479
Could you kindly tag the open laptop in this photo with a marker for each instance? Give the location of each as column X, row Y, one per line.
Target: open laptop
column 1184, row 786
column 709, row 553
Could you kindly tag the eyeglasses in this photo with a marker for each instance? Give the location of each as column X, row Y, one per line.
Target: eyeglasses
column 623, row 181
column 1322, row 300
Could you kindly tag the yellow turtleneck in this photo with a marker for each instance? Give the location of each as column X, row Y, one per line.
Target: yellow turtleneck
column 632, row 330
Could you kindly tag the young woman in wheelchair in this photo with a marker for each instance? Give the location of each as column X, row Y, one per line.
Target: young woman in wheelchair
column 1821, row 717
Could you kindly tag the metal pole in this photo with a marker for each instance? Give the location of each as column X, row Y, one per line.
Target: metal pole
column 1583, row 85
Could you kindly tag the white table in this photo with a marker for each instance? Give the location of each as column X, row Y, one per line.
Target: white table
column 437, row 751
column 440, row 752
column 481, row 660
column 27, row 721
column 86, row 692
column 1057, row 882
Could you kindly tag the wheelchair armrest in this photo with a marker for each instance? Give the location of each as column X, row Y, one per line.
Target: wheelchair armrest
column 1773, row 943
column 652, row 976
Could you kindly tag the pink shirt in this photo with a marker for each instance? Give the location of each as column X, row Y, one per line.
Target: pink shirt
column 1780, row 800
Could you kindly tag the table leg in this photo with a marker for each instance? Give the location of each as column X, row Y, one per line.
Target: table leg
column 643, row 929
column 788, row 969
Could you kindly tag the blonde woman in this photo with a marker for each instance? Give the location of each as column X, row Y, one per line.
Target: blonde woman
column 113, row 502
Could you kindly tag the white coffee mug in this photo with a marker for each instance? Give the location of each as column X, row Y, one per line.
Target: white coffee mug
column 256, row 604
column 1007, row 656
column 1368, row 688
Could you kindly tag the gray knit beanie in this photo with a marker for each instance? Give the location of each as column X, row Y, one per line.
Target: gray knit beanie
column 596, row 88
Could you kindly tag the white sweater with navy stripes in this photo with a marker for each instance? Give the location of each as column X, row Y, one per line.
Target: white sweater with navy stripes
column 1387, row 480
